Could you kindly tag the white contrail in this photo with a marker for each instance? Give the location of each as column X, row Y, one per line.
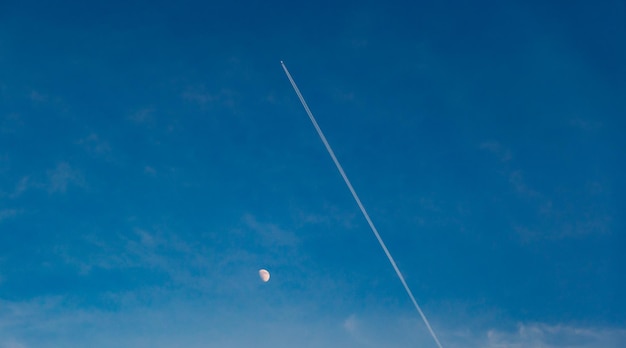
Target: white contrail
column 358, row 201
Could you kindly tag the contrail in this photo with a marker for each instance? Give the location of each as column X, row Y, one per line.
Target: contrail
column 358, row 201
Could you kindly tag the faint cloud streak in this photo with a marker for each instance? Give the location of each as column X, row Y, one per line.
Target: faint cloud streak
column 516, row 178
column 7, row 213
column 538, row 335
column 62, row 176
column 498, row 150
column 271, row 234
column 93, row 144
column 150, row 171
column 23, row 185
column 38, row 97
column 142, row 116
column 585, row 125
column 225, row 96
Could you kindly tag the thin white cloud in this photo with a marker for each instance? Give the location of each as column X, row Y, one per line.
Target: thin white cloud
column 7, row 213
column 350, row 324
column 553, row 220
column 10, row 123
column 539, row 335
column 497, row 149
column 11, row 343
column 344, row 96
column 331, row 215
column 381, row 330
column 38, row 97
column 54, row 322
column 150, row 170
column 271, row 234
column 585, row 124
column 94, row 144
column 57, row 180
column 63, row 176
column 516, row 178
column 150, row 249
column 142, row 116
column 4, row 159
column 353, row 328
column 24, row 184
column 167, row 316
column 201, row 96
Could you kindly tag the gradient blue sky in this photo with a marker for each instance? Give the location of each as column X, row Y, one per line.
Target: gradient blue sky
column 153, row 157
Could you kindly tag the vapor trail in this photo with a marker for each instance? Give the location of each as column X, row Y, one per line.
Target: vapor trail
column 358, row 201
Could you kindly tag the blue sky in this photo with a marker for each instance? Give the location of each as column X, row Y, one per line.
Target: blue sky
column 153, row 157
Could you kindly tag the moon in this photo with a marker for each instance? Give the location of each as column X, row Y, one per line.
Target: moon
column 265, row 275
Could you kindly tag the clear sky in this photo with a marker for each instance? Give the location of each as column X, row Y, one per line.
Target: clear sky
column 153, row 157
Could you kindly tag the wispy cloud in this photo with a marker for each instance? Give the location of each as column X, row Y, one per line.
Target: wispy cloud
column 38, row 97
column 585, row 124
column 94, row 144
column 538, row 335
column 63, row 176
column 57, row 180
column 23, row 185
column 10, row 123
column 516, row 178
column 54, row 322
column 166, row 319
column 350, row 324
column 152, row 251
column 142, row 116
column 271, row 234
column 331, row 215
column 141, row 248
column 344, row 96
column 354, row 329
column 11, row 343
column 553, row 219
column 397, row 331
column 497, row 149
column 7, row 213
column 4, row 160
column 226, row 97
column 150, row 170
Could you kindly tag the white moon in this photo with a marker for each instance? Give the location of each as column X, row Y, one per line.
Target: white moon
column 265, row 275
